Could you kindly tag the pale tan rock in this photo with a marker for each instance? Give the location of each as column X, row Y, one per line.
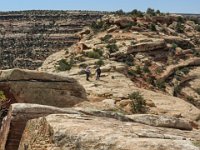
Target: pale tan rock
column 37, row 87
column 161, row 121
column 171, row 69
column 15, row 122
column 147, row 46
column 181, row 42
column 88, row 132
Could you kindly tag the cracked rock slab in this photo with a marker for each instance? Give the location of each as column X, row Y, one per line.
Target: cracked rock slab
column 66, row 131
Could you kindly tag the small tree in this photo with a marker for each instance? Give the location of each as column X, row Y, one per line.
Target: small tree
column 120, row 12
column 151, row 12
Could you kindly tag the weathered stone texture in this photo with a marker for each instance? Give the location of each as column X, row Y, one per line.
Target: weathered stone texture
column 41, row 88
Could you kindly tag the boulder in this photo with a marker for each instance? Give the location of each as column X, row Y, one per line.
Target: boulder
column 41, row 88
column 147, row 46
column 75, row 131
column 13, row 125
column 161, row 121
column 183, row 43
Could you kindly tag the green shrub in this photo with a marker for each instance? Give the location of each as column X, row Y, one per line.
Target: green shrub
column 196, row 53
column 197, row 91
column 98, row 26
column 160, row 84
column 132, row 72
column 83, row 65
column 151, row 80
column 179, row 28
column 190, row 98
column 185, row 70
column 159, row 70
column 133, row 42
column 158, row 12
column 177, row 90
column 2, row 96
column 152, row 27
column 174, row 46
column 196, row 143
column 63, row 65
column 180, row 19
column 112, row 48
column 146, row 69
column 138, row 70
column 130, row 24
column 198, row 28
column 100, row 52
column 151, row 12
column 178, row 74
column 139, row 104
column 106, row 38
column 100, row 62
column 129, row 60
column 93, row 54
column 136, row 13
column 120, row 12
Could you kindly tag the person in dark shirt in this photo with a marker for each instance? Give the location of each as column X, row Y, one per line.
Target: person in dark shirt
column 98, row 73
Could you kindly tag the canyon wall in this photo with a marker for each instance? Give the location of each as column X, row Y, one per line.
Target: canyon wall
column 27, row 38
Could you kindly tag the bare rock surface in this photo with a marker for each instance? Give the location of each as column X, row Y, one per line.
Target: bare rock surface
column 15, row 122
column 147, row 46
column 161, row 121
column 41, row 88
column 172, row 68
column 116, row 86
column 74, row 131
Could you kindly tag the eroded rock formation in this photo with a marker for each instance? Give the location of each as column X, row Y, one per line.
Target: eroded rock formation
column 41, row 88
column 15, row 122
column 66, row 131
column 27, row 38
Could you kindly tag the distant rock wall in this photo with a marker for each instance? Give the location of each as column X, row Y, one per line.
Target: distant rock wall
column 27, row 38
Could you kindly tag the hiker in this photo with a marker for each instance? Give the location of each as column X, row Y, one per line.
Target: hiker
column 98, row 72
column 87, row 72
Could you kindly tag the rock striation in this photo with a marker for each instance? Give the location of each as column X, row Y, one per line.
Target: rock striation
column 76, row 131
column 25, row 86
column 15, row 122
column 27, row 38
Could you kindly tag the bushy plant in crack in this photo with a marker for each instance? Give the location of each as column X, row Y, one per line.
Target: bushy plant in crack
column 2, row 96
column 112, row 48
column 64, row 65
column 160, row 84
column 139, row 103
column 93, row 54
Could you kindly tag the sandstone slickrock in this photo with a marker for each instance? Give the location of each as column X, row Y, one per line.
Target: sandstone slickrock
column 147, row 46
column 161, row 121
column 74, row 131
column 15, row 122
column 41, row 88
column 172, row 68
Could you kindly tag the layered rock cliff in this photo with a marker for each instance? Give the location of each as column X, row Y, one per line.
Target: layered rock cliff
column 147, row 97
column 27, row 38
